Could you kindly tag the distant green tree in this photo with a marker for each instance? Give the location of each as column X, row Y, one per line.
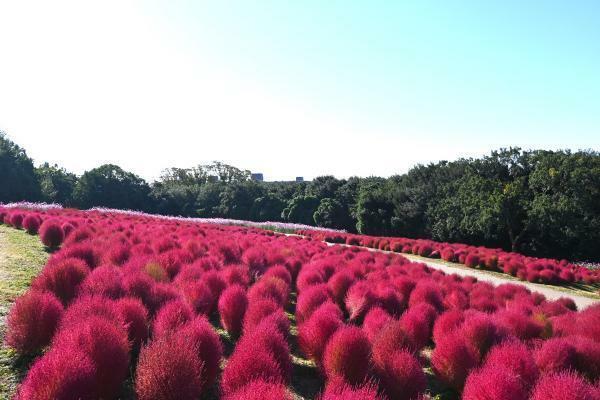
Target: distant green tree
column 111, row 186
column 374, row 209
column 323, row 187
column 267, row 208
column 237, row 199
column 331, row 214
column 56, row 184
column 209, row 200
column 300, row 210
column 18, row 180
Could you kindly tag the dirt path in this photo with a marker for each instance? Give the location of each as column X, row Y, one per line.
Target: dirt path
column 582, row 300
column 551, row 292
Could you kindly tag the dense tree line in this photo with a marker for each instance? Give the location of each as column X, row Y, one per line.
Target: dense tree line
column 537, row 202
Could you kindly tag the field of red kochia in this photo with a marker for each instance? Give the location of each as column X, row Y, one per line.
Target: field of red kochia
column 144, row 303
column 538, row 270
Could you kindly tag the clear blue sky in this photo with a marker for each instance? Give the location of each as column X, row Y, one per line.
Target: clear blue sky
column 297, row 88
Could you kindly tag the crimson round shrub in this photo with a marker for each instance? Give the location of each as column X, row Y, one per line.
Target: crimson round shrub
column 338, row 389
column 359, row 300
column 497, row 383
column 266, row 337
column 31, row 223
column 374, row 321
column 232, row 307
column 67, row 228
column 338, row 284
column 348, row 355
column 90, row 306
column 309, row 300
column 563, row 386
column 84, row 251
column 402, row 377
column 520, row 325
column 51, row 234
column 481, row 332
column 447, row 323
column 16, row 220
column 106, row 344
column 103, row 281
column 171, row 317
column 62, row 277
column 32, row 321
column 58, row 375
column 472, row 260
column 314, row 334
column 587, row 360
column 257, row 311
column 515, row 357
column 247, row 365
column 281, row 272
column 417, row 323
column 216, row 284
column 198, row 295
column 452, row 360
column 261, row 390
column 208, row 347
column 135, row 316
column 391, row 338
column 308, row 277
column 555, row 355
column 427, row 292
column 271, row 288
column 168, row 370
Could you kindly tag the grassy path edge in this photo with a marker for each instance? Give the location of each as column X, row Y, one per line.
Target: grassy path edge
column 22, row 256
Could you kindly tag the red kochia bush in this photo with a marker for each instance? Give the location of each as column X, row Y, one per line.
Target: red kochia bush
column 347, row 355
column 261, row 390
column 16, row 220
column 391, row 338
column 314, row 333
column 257, row 311
column 171, row 317
column 247, row 365
column 135, row 317
column 198, row 295
column 62, row 277
column 107, row 346
column 90, row 306
column 60, row 376
column 208, row 347
column 563, row 386
column 232, row 307
column 447, row 323
column 338, row 389
column 104, row 281
column 402, row 377
column 309, row 300
column 374, row 321
column 452, row 360
column 555, row 355
column 266, row 337
column 32, row 321
column 339, row 284
column 515, row 357
column 497, row 383
column 51, row 234
column 168, row 370
column 31, row 223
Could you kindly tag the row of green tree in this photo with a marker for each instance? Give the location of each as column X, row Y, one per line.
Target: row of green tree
column 537, row 202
